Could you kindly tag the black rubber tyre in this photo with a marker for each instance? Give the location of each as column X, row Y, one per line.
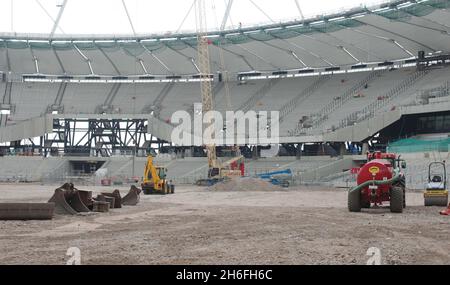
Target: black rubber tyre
column 397, row 200
column 354, row 201
column 404, row 198
column 164, row 190
column 146, row 190
column 365, row 205
column 152, row 191
column 402, row 184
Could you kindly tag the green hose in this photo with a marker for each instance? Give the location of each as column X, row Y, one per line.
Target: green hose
column 396, row 178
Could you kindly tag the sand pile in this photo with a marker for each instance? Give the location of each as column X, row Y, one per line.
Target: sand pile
column 245, row 184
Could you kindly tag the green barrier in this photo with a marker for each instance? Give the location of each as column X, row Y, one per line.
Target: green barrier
column 413, row 145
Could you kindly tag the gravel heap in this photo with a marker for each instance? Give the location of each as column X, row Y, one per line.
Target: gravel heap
column 245, row 184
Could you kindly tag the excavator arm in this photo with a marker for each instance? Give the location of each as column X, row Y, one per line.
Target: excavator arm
column 153, row 183
column 150, row 173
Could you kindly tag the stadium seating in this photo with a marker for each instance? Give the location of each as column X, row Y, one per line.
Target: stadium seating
column 33, row 99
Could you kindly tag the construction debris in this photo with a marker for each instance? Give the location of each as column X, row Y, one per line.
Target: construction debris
column 244, row 184
column 117, row 198
column 132, row 198
column 67, row 200
column 86, row 198
column 26, row 211
column 70, row 201
column 103, row 198
column 101, row 207
column 111, row 201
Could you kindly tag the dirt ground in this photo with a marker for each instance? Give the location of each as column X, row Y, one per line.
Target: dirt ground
column 196, row 226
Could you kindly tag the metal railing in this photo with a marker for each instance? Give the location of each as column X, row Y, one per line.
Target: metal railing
column 437, row 92
column 335, row 104
column 258, row 95
column 320, row 117
column 294, row 103
column 370, row 110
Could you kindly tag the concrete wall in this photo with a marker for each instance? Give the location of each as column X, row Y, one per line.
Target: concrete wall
column 27, row 129
column 32, row 169
column 315, row 175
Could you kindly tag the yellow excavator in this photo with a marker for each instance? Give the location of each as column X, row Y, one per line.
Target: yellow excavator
column 154, row 181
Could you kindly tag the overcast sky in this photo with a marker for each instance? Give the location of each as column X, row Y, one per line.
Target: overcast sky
column 152, row 16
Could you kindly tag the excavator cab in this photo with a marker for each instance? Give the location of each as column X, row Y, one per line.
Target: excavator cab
column 161, row 172
column 155, row 180
column 214, row 172
column 223, row 172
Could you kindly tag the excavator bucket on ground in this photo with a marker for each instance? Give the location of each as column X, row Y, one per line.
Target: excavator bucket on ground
column 76, row 202
column 70, row 201
column 86, row 198
column 62, row 207
column 117, row 198
column 103, row 198
column 101, row 207
column 26, row 211
column 67, row 200
column 133, row 197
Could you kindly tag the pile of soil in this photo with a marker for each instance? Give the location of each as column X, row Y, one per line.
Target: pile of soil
column 245, row 184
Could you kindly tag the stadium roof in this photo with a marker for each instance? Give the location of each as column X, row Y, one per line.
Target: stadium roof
column 385, row 32
column 121, row 17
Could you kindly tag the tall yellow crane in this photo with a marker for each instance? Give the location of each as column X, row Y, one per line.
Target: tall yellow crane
column 205, row 73
column 216, row 171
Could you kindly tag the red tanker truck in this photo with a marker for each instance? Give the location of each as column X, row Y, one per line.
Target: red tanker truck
column 379, row 180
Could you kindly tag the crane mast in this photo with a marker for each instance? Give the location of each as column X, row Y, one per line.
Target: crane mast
column 205, row 72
